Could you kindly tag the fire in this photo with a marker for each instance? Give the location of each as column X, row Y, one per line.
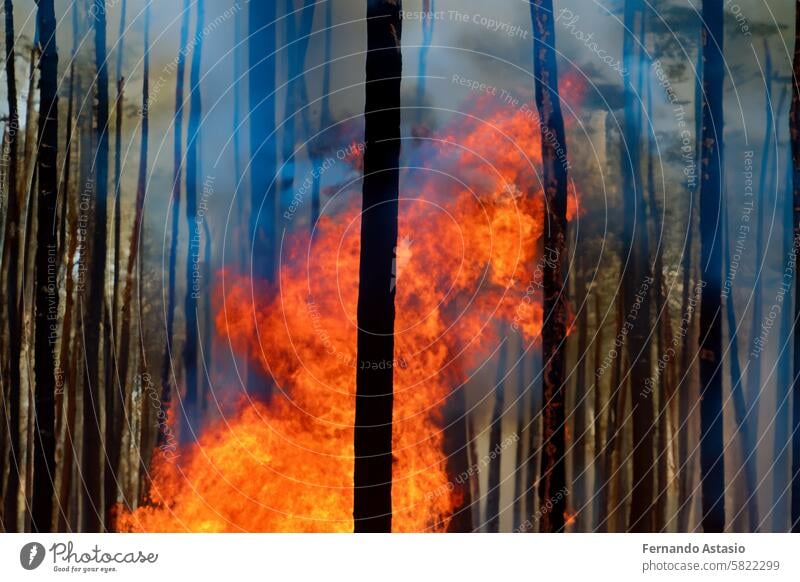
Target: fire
column 470, row 220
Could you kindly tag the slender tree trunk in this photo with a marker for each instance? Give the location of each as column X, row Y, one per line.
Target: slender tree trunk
column 112, row 372
column 794, row 128
column 46, row 283
column 167, row 370
column 712, row 464
column 193, row 228
column 782, row 444
column 600, row 476
column 372, row 507
column 141, row 191
column 66, row 396
column 520, row 462
column 580, row 427
column 325, row 115
column 11, row 267
column 263, row 207
column 495, row 438
column 638, row 287
column 554, row 162
column 684, row 387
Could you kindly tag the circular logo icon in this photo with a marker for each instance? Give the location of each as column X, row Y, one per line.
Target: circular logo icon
column 31, row 555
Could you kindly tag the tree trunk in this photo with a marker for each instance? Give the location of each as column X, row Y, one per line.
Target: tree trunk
column 112, row 373
column 372, row 504
column 580, row 428
column 46, row 283
column 11, row 278
column 324, row 118
column 638, row 286
column 193, row 274
column 263, row 207
column 495, row 438
column 684, row 387
column 168, row 375
column 141, row 191
column 794, row 128
column 521, row 462
column 554, row 162
column 712, row 464
column 600, row 476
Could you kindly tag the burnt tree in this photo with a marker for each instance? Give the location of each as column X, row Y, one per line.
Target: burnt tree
column 191, row 405
column 712, row 464
column 372, row 503
column 794, row 131
column 46, row 284
column 554, row 331
column 11, row 278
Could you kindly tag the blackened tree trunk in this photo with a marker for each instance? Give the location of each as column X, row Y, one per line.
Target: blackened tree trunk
column 263, row 207
column 100, row 451
column 712, row 464
column 554, row 332
column 112, row 372
column 167, row 370
column 638, row 284
column 192, row 221
column 141, row 191
column 46, row 283
column 495, row 438
column 11, row 267
column 372, row 504
column 794, row 128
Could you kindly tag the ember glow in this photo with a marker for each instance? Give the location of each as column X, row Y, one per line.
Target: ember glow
column 470, row 223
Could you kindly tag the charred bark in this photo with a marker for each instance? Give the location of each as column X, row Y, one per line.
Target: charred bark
column 372, row 508
column 554, row 161
column 712, row 462
column 46, row 284
column 11, row 278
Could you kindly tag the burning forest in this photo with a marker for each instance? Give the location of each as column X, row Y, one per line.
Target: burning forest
column 394, row 267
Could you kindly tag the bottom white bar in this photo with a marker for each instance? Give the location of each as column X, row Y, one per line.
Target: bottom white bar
column 399, row 557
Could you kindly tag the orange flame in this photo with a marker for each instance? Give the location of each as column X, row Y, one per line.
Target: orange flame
column 469, row 227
